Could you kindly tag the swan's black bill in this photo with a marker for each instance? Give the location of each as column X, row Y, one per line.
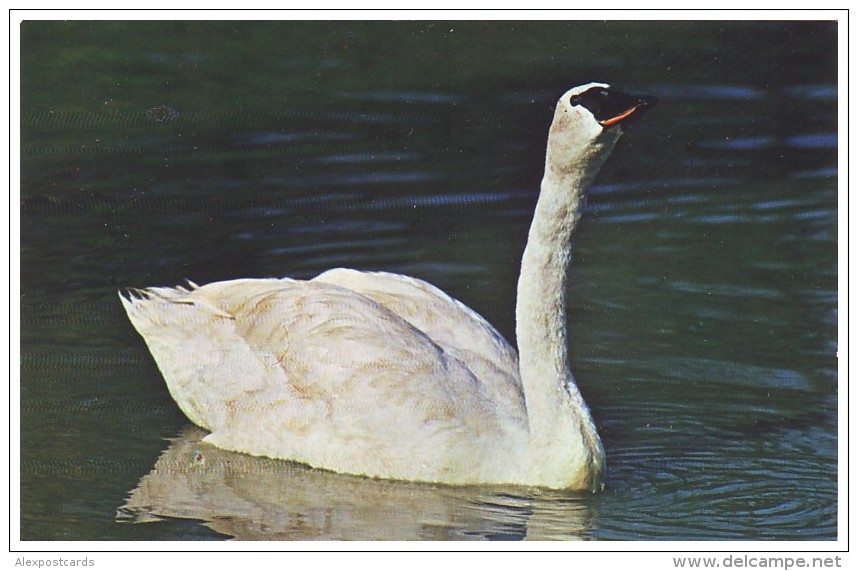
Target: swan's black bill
column 613, row 107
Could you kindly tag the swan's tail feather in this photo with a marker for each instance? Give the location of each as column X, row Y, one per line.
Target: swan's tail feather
column 204, row 361
column 158, row 299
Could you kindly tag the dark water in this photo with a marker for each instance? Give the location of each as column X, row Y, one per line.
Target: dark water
column 704, row 286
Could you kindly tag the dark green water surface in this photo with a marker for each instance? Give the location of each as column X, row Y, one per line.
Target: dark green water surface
column 703, row 312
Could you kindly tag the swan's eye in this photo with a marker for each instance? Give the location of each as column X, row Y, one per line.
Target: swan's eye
column 593, row 100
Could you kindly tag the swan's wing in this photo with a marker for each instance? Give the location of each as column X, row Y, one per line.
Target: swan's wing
column 321, row 374
column 452, row 325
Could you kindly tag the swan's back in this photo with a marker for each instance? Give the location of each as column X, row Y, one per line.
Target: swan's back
column 367, row 373
column 469, row 338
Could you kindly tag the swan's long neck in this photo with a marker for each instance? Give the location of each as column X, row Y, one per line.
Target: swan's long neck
column 561, row 427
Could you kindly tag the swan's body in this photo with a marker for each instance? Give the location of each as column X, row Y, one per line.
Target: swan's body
column 384, row 375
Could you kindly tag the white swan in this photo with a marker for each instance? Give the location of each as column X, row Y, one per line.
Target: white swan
column 384, row 375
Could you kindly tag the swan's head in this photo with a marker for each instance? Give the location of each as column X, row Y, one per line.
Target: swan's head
column 587, row 123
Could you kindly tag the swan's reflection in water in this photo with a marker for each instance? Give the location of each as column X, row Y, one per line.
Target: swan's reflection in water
column 257, row 498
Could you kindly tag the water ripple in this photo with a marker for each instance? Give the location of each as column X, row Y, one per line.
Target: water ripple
column 704, row 497
column 719, row 92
